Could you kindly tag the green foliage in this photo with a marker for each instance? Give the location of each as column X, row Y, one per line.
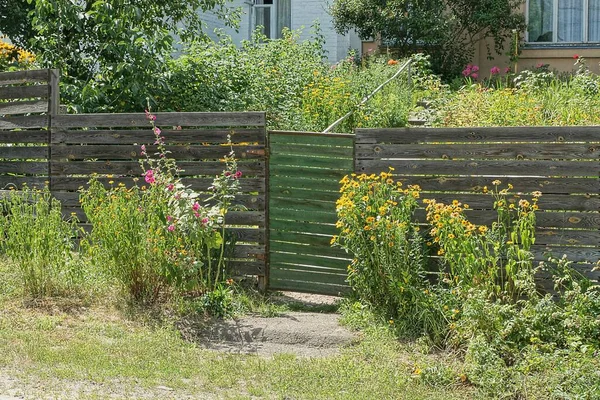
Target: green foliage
column 447, row 30
column 113, row 53
column 38, row 240
column 159, row 237
column 388, row 269
column 536, row 97
column 290, row 80
column 14, row 21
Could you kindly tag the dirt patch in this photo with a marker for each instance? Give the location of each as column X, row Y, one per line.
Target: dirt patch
column 303, row 333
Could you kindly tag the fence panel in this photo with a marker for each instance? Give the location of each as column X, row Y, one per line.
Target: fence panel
column 457, row 163
column 109, row 145
column 27, row 100
column 304, row 174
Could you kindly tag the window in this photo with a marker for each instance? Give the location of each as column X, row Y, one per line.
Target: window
column 272, row 16
column 563, row 21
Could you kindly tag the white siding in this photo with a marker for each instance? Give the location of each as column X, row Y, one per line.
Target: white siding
column 304, row 14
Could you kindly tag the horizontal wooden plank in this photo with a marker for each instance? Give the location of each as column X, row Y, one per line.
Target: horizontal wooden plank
column 569, row 185
column 328, row 216
column 162, row 119
column 575, row 254
column 241, row 268
column 302, row 204
column 567, row 237
column 310, row 262
column 250, row 168
column 302, row 238
column 17, row 182
column 23, row 92
column 246, row 234
column 320, row 184
column 307, row 287
column 307, row 173
column 343, row 165
column 566, row 219
column 306, row 227
column 277, row 272
column 235, row 218
column 548, row 202
column 494, row 168
column 17, row 77
column 24, row 107
column 486, row 134
column 295, row 193
column 67, row 183
column 177, row 152
column 24, row 167
column 312, row 150
column 172, row 136
column 303, row 248
column 28, row 136
column 244, row 251
column 23, row 122
column 21, row 152
column 451, row 151
column 303, row 136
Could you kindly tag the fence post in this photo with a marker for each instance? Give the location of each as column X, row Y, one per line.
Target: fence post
column 53, row 110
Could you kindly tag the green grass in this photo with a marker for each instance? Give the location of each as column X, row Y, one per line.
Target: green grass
column 73, row 348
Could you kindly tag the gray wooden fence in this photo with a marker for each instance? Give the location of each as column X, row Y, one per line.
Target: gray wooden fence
column 561, row 162
column 40, row 147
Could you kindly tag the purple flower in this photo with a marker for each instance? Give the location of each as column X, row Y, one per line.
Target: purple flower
column 495, row 70
column 475, row 68
column 507, row 70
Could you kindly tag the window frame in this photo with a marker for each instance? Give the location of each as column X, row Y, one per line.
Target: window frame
column 555, row 43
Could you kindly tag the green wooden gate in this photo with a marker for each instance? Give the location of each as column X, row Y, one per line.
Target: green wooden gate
column 304, row 174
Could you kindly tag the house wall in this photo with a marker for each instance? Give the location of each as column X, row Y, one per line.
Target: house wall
column 304, row 14
column 559, row 58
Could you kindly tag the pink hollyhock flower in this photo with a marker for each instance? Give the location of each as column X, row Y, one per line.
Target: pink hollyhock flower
column 196, row 214
column 475, row 69
column 205, row 220
column 576, row 57
column 196, row 206
column 467, row 71
column 169, row 218
column 143, row 149
column 227, row 173
column 238, row 175
column 507, row 70
column 495, row 70
column 170, row 187
column 474, row 75
column 157, row 130
column 171, row 228
column 149, row 177
column 150, row 116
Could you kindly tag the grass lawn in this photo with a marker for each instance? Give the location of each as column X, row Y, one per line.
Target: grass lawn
column 63, row 348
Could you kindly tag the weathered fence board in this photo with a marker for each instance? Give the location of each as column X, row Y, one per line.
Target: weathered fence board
column 561, row 162
column 108, row 146
column 25, row 115
column 304, row 174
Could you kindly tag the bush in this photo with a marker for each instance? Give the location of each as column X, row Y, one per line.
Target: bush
column 36, row 237
column 388, row 270
column 158, row 237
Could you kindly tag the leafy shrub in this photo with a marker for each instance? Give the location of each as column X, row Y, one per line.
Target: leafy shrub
column 38, row 239
column 288, row 79
column 158, row 236
column 388, row 270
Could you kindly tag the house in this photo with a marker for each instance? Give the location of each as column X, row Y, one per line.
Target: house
column 558, row 31
column 274, row 15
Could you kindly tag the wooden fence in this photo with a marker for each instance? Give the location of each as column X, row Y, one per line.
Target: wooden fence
column 39, row 146
column 28, row 99
column 561, row 162
column 304, row 174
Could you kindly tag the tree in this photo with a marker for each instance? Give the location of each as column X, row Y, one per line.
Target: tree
column 446, row 29
column 112, row 53
column 14, row 21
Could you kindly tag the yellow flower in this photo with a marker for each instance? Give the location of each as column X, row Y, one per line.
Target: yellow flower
column 496, row 182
